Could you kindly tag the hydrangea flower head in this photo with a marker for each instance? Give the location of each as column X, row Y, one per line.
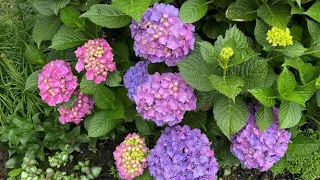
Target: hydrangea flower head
column 164, row 98
column 161, row 36
column 182, row 154
column 279, row 37
column 135, row 76
column 81, row 107
column 96, row 57
column 226, row 53
column 260, row 150
column 130, row 156
column 56, row 82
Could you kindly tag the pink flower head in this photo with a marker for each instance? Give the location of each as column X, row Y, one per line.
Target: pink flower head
column 260, row 150
column 96, row 57
column 164, row 98
column 56, row 82
column 81, row 107
column 130, row 156
column 161, row 36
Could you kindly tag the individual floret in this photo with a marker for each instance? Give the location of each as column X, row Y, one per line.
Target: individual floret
column 81, row 107
column 182, row 154
column 56, row 82
column 135, row 76
column 279, row 37
column 161, row 36
column 260, row 150
column 130, row 157
column 96, row 57
column 164, row 98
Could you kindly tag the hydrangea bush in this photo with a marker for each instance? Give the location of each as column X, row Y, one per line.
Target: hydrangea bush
column 176, row 75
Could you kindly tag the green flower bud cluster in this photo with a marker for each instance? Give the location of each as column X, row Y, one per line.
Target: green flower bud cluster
column 279, row 37
column 226, row 53
column 60, row 159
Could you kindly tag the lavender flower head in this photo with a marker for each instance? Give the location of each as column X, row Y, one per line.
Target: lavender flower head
column 164, row 98
column 135, row 76
column 182, row 154
column 161, row 36
column 81, row 107
column 96, row 57
column 260, row 150
column 56, row 82
column 130, row 157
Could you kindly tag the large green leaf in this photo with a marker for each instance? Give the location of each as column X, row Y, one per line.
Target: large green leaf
column 101, row 124
column 43, row 6
column 230, row 116
column 209, row 53
column 114, row 79
column 195, row 119
column 193, row 10
column 314, row 30
column 133, row 8
column 143, row 125
column 286, row 82
column 289, row 114
column 213, row 29
column 107, row 16
column 71, row 17
column 264, row 118
column 277, row 15
column 264, row 95
column 34, row 55
column 242, row 10
column 313, row 11
column 32, row 81
column 294, row 50
column 45, row 28
column 302, row 146
column 260, row 33
column 58, row 4
column 66, row 38
column 229, row 86
column 89, row 87
column 104, row 98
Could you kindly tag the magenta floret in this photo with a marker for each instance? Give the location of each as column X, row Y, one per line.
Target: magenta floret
column 161, row 36
column 182, row 154
column 56, row 82
column 96, row 57
column 135, row 76
column 81, row 107
column 164, row 98
column 260, row 150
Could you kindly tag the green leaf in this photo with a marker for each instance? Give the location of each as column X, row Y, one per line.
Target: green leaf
column 143, row 125
column 121, row 56
column 229, row 86
column 32, row 81
column 43, row 6
column 265, row 118
column 58, row 4
column 313, row 11
column 195, row 119
column 101, row 124
column 71, row 17
column 66, row 38
column 213, row 29
column 230, row 116
column 145, row 176
column 34, row 55
column 193, row 10
column 277, row 15
column 70, row 103
column 209, row 54
column 45, row 28
column 254, row 72
column 264, row 95
column 314, row 30
column 289, row 114
column 114, row 79
column 89, row 87
column 22, row 123
column 307, row 72
column 302, row 146
column 14, row 172
column 294, row 50
column 286, row 82
column 133, row 8
column 205, row 100
column 104, row 98
column 14, row 162
column 260, row 33
column 195, row 71
column 242, row 10
column 107, row 16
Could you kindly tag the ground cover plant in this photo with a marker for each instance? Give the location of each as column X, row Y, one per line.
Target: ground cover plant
column 160, row 89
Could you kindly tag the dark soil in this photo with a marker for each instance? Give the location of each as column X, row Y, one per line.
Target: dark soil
column 3, row 159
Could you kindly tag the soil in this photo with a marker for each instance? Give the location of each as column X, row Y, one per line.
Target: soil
column 3, row 159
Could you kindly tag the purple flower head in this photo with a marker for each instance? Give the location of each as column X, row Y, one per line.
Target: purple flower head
column 164, row 98
column 56, row 82
column 182, row 154
column 96, row 57
column 135, row 76
column 81, row 107
column 161, row 36
column 260, row 150
column 130, row 157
